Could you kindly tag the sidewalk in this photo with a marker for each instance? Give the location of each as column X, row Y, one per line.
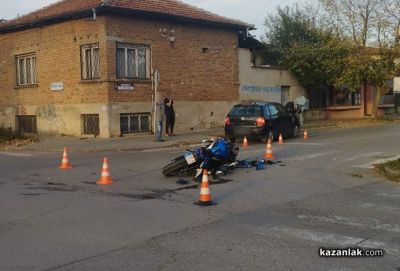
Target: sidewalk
column 146, row 141
column 349, row 123
column 130, row 142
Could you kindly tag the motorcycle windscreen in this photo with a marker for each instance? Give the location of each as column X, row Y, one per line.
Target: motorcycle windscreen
column 220, row 149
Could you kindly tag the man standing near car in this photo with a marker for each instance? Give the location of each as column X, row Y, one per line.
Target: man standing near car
column 159, row 118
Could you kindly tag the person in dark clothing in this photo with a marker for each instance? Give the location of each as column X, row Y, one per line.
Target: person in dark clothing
column 169, row 116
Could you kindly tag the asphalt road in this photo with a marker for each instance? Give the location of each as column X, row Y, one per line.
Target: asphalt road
column 322, row 195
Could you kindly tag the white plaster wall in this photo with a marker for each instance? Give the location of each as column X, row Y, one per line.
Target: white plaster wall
column 66, row 119
column 190, row 116
column 7, row 116
column 264, row 83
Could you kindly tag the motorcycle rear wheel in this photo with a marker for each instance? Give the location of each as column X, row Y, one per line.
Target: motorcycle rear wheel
column 175, row 167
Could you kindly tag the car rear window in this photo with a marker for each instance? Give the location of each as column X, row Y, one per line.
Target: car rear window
column 241, row 110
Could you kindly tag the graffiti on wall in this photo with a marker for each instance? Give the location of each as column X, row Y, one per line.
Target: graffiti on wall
column 254, row 92
column 260, row 89
column 22, row 110
column 49, row 113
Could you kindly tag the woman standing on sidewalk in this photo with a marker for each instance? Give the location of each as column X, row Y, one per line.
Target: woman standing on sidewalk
column 169, row 117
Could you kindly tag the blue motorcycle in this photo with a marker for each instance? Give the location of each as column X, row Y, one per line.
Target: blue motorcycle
column 214, row 155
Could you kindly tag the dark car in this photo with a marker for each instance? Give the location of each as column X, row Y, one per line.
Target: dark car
column 259, row 119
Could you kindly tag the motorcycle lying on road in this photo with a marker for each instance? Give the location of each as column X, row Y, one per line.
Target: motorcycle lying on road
column 214, row 155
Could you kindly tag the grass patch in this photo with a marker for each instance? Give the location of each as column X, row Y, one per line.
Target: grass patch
column 390, row 170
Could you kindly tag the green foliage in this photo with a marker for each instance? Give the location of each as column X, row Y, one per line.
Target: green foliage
column 317, row 57
column 317, row 64
column 367, row 65
column 287, row 27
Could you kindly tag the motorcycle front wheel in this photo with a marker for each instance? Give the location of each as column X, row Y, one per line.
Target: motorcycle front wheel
column 175, row 167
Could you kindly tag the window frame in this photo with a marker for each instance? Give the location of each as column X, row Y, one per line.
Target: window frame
column 91, row 73
column 136, row 48
column 23, row 82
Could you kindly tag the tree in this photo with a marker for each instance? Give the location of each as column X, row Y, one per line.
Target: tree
column 317, row 64
column 288, row 27
column 373, row 35
column 374, row 66
column 297, row 42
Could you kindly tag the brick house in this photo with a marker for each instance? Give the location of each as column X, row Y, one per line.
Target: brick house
column 85, row 67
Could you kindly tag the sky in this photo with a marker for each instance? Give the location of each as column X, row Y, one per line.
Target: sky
column 249, row 11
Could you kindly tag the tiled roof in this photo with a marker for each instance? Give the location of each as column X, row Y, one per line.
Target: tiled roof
column 172, row 8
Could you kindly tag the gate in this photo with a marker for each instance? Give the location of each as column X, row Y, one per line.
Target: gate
column 91, row 124
column 27, row 124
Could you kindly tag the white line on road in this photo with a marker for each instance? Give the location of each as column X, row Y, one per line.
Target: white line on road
column 370, row 223
column 16, row 154
column 305, row 143
column 330, row 239
column 380, row 207
column 389, row 248
column 311, row 156
column 360, row 138
column 370, row 165
column 368, row 154
column 315, row 236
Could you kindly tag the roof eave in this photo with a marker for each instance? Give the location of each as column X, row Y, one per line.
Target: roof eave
column 178, row 18
column 49, row 20
column 104, row 9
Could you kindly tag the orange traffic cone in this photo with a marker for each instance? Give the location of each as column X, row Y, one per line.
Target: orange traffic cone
column 268, row 153
column 105, row 174
column 65, row 162
column 280, row 139
column 245, row 143
column 205, row 196
column 305, row 135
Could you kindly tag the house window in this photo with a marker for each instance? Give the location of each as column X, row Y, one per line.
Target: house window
column 90, row 61
column 26, row 70
column 135, row 123
column 344, row 97
column 133, row 61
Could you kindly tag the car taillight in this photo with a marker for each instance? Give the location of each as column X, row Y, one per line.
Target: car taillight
column 260, row 122
column 227, row 121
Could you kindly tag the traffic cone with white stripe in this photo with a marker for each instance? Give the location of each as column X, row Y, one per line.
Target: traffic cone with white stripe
column 65, row 162
column 205, row 196
column 305, row 135
column 245, row 143
column 105, row 174
column 268, row 153
column 280, row 139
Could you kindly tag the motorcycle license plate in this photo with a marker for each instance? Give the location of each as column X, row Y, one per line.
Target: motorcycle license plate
column 190, row 158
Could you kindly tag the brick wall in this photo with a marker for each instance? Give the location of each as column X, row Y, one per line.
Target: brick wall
column 188, row 72
column 200, row 65
column 57, row 49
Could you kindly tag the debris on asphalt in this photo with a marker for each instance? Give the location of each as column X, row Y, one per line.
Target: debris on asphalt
column 258, row 164
column 355, row 175
column 244, row 164
column 182, row 182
